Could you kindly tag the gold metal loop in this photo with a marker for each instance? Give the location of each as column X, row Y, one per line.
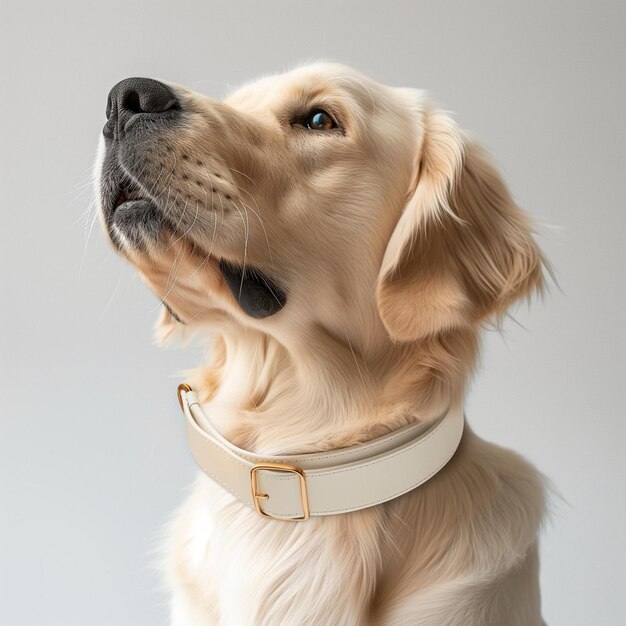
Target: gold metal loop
column 183, row 387
column 286, row 469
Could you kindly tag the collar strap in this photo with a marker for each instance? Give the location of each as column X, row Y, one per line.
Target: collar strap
column 293, row 487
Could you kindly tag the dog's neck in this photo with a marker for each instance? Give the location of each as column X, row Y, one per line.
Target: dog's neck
column 270, row 399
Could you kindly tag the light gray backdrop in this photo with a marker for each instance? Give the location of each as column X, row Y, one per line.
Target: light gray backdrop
column 93, row 457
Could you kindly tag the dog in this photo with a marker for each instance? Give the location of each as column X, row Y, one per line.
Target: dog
column 344, row 243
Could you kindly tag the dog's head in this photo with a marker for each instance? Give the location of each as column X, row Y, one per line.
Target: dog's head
column 317, row 199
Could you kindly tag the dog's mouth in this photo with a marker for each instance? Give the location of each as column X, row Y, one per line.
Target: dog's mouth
column 135, row 219
column 129, row 198
column 129, row 192
column 256, row 293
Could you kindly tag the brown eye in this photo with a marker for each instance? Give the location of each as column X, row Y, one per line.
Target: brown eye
column 319, row 120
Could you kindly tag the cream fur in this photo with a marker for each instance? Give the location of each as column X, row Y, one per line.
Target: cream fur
column 396, row 239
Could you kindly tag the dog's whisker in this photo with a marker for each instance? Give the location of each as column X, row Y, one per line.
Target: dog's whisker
column 180, row 220
column 174, row 270
column 245, row 247
column 115, row 290
column 267, row 241
column 232, row 169
column 173, row 276
column 167, row 184
column 255, row 212
column 205, row 260
column 89, row 224
column 210, row 253
column 168, row 187
column 89, row 227
column 193, row 223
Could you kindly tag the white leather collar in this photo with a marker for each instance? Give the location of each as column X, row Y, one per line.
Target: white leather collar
column 293, row 487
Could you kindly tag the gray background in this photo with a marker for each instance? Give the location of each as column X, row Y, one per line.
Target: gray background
column 93, row 459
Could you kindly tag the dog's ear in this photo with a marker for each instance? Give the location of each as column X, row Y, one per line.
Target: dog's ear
column 462, row 250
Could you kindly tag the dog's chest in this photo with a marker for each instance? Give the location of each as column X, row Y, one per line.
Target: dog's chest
column 230, row 562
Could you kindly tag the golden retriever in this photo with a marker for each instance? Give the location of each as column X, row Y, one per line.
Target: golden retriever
column 344, row 241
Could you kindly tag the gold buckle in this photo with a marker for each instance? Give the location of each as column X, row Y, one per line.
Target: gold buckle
column 286, row 469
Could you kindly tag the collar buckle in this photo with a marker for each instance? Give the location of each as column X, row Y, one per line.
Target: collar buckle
column 285, row 469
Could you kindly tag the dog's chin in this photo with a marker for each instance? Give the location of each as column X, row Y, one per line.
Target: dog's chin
column 134, row 221
column 138, row 224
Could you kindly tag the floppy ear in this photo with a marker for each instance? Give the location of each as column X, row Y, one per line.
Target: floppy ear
column 462, row 250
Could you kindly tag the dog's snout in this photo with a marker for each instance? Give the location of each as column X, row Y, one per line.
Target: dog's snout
column 133, row 97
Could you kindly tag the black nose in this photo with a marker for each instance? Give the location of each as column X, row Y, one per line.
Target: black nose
column 136, row 98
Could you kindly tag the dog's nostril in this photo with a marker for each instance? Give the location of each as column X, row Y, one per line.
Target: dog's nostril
column 132, row 102
column 144, row 95
column 140, row 95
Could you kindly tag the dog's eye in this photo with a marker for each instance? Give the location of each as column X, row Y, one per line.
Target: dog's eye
column 318, row 119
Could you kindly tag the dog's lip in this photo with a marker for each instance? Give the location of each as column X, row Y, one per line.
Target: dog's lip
column 258, row 295
column 128, row 191
column 121, row 199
